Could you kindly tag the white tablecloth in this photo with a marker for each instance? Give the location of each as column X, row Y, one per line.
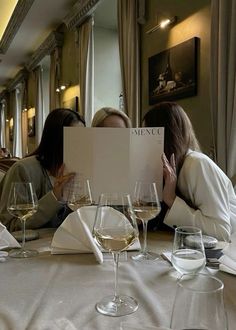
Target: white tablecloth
column 52, row 292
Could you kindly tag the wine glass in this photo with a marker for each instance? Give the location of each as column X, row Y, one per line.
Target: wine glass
column 115, row 229
column 199, row 304
column 22, row 203
column 188, row 254
column 146, row 206
column 78, row 193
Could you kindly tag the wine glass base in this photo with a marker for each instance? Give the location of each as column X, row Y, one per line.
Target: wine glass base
column 122, row 305
column 146, row 256
column 22, row 253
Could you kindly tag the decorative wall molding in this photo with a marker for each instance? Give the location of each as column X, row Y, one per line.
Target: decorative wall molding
column 19, row 78
column 3, row 96
column 14, row 23
column 80, row 11
column 55, row 39
column 141, row 12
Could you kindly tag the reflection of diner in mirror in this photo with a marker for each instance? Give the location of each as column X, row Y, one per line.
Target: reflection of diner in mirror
column 196, row 191
column 4, row 153
column 45, row 169
column 110, row 117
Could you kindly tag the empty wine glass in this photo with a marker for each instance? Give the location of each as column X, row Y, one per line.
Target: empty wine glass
column 146, row 207
column 199, row 304
column 22, row 203
column 115, row 229
column 188, row 254
column 78, row 193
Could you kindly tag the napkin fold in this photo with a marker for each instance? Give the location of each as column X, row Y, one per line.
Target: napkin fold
column 6, row 239
column 75, row 234
column 228, row 260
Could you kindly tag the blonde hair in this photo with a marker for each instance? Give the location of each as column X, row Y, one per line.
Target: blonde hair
column 103, row 113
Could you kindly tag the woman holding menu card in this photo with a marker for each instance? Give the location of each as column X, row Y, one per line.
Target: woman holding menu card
column 44, row 168
column 196, row 191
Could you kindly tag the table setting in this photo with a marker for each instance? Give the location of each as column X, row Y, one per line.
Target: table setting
column 68, row 283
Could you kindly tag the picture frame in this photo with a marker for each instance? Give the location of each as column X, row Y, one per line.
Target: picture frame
column 72, row 104
column 173, row 72
column 31, row 126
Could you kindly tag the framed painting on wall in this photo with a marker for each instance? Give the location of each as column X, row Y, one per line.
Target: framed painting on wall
column 173, row 72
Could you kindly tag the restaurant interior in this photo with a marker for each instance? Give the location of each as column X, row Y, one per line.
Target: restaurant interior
column 128, row 55
column 94, row 53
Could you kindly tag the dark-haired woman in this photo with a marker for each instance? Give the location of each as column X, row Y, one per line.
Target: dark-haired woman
column 196, row 191
column 45, row 169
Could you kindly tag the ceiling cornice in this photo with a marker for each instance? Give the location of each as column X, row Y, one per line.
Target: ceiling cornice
column 55, row 39
column 80, row 11
column 14, row 23
column 20, row 77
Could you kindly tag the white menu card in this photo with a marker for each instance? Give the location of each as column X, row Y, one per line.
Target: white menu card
column 113, row 159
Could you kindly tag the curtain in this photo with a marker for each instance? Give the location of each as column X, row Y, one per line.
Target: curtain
column 223, row 83
column 3, row 123
column 39, row 104
column 55, row 75
column 86, row 69
column 128, row 31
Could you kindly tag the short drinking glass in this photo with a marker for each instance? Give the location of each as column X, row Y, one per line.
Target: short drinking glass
column 199, row 304
column 188, row 254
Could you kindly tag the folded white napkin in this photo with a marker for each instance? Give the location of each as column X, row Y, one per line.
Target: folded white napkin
column 228, row 260
column 6, row 239
column 75, row 234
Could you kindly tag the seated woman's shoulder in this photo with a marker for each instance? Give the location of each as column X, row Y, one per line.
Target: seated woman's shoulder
column 200, row 162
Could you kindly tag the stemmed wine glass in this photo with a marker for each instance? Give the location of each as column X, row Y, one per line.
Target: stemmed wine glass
column 188, row 254
column 199, row 303
column 146, row 206
column 22, row 203
column 115, row 229
column 78, row 193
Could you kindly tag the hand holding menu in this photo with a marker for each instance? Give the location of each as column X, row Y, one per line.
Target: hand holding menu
column 113, row 159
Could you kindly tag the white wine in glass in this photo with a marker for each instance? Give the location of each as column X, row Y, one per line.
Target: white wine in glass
column 78, row 193
column 115, row 229
column 146, row 206
column 22, row 204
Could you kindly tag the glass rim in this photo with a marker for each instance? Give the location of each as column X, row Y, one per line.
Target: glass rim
column 188, row 230
column 194, row 276
column 115, row 194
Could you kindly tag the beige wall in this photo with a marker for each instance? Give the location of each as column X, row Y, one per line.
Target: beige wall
column 193, row 21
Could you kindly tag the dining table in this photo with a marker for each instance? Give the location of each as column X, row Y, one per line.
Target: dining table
column 60, row 291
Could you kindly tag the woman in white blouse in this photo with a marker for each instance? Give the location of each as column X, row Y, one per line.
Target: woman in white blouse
column 196, row 191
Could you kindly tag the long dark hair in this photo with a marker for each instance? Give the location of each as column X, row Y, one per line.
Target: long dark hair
column 179, row 133
column 50, row 150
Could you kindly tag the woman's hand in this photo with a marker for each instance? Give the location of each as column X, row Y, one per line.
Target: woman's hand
column 170, row 180
column 60, row 182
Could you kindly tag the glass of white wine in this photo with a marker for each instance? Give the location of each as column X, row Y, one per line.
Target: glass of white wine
column 115, row 229
column 22, row 203
column 188, row 254
column 78, row 193
column 146, row 206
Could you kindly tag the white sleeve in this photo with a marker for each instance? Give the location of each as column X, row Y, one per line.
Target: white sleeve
column 206, row 188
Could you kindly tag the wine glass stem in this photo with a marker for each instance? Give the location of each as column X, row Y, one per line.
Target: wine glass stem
column 116, row 262
column 23, row 234
column 144, row 250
